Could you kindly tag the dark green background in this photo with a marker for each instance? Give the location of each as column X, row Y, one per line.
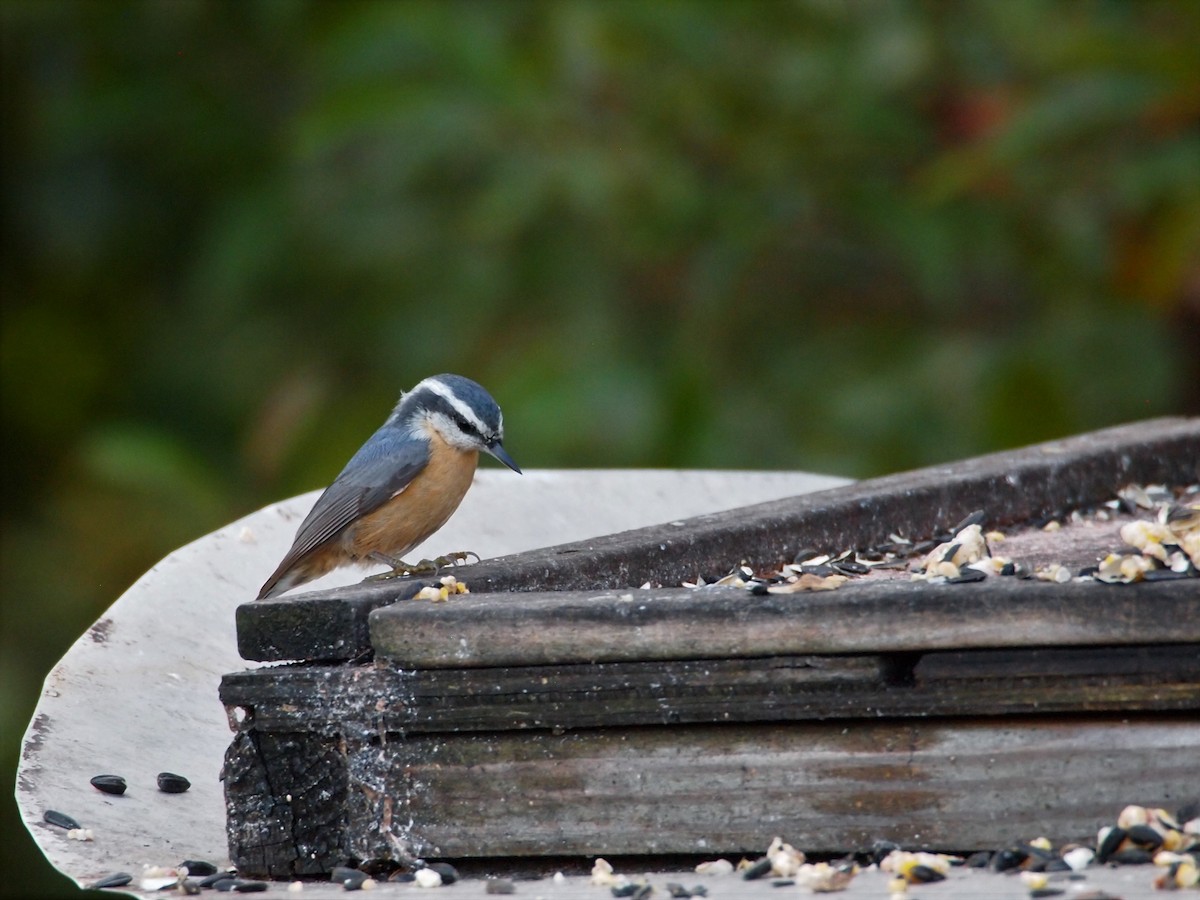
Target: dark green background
column 852, row 237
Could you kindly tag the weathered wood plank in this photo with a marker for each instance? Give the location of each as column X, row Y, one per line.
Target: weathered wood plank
column 1012, row 487
column 720, row 789
column 363, row 702
column 715, row 623
column 327, row 628
column 287, row 794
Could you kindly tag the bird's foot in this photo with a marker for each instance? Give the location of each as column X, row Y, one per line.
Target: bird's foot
column 401, row 569
column 454, row 558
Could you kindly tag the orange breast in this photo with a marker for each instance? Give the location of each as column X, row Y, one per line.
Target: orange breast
column 420, row 509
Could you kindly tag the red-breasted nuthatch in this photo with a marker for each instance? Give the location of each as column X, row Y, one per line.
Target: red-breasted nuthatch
column 402, row 484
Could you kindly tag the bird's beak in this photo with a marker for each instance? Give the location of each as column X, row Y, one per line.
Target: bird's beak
column 497, row 450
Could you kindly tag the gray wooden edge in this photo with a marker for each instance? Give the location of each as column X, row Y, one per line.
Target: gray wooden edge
column 363, row 701
column 717, row 623
column 1010, row 487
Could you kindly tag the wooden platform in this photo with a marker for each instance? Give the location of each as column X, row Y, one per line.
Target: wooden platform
column 561, row 709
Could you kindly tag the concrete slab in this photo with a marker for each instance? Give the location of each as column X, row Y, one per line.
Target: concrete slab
column 137, row 693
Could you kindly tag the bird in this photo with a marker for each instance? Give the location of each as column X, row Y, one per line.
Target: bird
column 402, row 484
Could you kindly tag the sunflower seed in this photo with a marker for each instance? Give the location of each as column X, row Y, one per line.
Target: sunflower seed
column 59, row 820
column 116, row 879
column 758, row 870
column 198, row 867
column 170, row 783
column 448, row 872
column 109, row 784
column 976, row 518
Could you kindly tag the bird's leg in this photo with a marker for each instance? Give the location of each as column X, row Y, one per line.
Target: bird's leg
column 399, row 567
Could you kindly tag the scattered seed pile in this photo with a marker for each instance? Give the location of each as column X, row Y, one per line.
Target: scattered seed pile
column 1162, row 543
column 1141, row 836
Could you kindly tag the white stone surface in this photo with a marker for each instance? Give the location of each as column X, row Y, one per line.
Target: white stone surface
column 137, row 693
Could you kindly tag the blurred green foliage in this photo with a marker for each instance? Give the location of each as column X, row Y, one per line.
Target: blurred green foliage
column 851, row 237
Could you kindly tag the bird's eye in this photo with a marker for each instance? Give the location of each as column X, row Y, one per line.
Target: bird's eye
column 463, row 425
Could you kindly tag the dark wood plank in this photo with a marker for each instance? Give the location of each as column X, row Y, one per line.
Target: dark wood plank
column 729, row 789
column 327, row 628
column 1012, row 487
column 716, row 623
column 370, row 700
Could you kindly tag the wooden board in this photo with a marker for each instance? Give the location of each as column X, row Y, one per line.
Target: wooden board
column 373, row 699
column 962, row 785
column 560, row 710
column 718, row 623
column 1011, row 487
column 714, row 789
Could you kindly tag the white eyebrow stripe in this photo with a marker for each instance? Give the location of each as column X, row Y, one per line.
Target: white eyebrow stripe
column 455, row 401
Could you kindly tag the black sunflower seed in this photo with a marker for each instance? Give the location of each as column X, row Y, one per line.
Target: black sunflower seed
column 448, row 872
column 1146, row 837
column 250, row 887
column 758, row 870
column 199, row 867
column 116, row 879
column 976, row 518
column 59, row 819
column 170, row 783
column 967, row 575
column 948, row 556
column 1108, row 846
column 925, row 875
column 212, row 879
column 109, row 784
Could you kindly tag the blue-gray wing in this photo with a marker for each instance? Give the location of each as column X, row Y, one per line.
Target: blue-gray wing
column 384, row 465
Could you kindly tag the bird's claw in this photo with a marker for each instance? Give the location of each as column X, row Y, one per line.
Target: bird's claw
column 401, row 569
